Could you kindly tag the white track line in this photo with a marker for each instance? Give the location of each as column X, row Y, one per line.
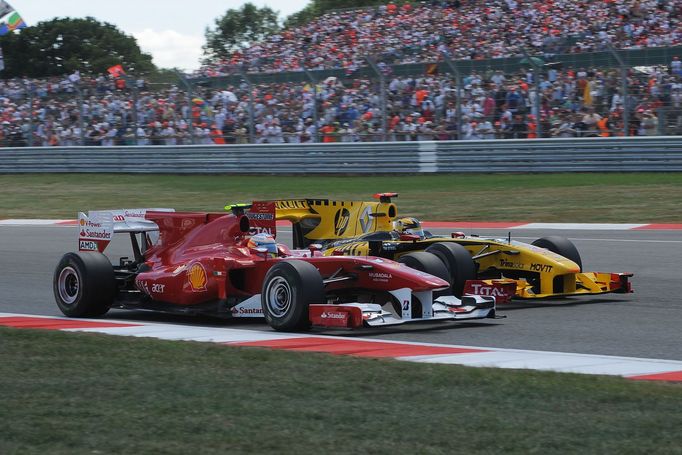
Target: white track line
column 487, row 357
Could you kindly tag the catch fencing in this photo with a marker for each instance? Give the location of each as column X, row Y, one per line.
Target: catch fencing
column 646, row 154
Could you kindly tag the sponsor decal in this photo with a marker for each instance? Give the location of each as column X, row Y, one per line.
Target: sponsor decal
column 291, row 205
column 334, row 315
column 330, row 317
column 139, row 214
column 196, row 275
column 94, row 229
column 484, row 289
column 236, row 310
column 155, row 288
column 260, row 216
column 143, row 286
column 380, row 276
column 121, row 216
column 260, row 230
column 510, row 265
column 503, row 292
column 541, row 268
column 97, row 235
column 86, row 245
column 366, row 220
column 355, row 249
column 341, row 221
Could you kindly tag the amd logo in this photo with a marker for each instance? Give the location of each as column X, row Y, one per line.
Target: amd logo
column 85, row 245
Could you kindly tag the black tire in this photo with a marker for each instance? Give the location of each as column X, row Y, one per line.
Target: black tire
column 460, row 265
column 84, row 284
column 429, row 263
column 561, row 246
column 288, row 289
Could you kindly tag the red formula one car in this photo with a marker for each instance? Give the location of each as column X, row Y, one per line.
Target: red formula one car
column 212, row 263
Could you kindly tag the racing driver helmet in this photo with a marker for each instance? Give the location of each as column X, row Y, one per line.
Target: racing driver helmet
column 408, row 225
column 263, row 241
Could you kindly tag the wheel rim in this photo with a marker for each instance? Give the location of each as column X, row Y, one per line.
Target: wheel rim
column 68, row 285
column 278, row 296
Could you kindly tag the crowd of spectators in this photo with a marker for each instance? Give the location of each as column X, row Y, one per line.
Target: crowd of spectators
column 562, row 102
column 463, row 29
column 573, row 103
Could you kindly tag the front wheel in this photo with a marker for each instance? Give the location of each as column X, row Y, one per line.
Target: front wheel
column 288, row 290
column 428, row 263
column 84, row 284
column 561, row 246
column 458, row 261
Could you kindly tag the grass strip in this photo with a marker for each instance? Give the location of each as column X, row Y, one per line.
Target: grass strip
column 615, row 198
column 70, row 393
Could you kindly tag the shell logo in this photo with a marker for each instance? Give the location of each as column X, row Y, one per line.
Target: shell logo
column 196, row 274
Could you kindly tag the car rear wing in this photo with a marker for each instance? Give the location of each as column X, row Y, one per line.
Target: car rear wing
column 97, row 227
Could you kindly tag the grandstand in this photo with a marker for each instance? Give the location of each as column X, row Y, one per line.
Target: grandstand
column 432, row 71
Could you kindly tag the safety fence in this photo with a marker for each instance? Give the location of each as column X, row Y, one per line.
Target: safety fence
column 646, row 154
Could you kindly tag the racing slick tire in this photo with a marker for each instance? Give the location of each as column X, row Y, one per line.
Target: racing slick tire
column 460, row 265
column 288, row 289
column 84, row 284
column 561, row 246
column 429, row 263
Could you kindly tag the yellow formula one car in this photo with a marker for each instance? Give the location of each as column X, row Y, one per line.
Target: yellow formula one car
column 549, row 267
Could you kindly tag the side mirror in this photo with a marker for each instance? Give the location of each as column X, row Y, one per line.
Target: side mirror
column 409, row 237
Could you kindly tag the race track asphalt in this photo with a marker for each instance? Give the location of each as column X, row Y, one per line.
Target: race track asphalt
column 644, row 324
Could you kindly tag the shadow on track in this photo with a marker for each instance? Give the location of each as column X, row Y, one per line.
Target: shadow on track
column 562, row 302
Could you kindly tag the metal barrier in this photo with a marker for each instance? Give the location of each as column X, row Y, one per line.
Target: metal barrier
column 641, row 154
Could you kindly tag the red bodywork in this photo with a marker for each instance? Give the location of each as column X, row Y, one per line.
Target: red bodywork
column 203, row 257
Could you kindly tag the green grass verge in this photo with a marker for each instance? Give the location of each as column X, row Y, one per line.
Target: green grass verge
column 617, row 198
column 85, row 393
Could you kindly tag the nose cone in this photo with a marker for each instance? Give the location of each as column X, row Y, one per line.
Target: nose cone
column 421, row 280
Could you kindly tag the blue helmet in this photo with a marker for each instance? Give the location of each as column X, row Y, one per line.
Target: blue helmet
column 263, row 241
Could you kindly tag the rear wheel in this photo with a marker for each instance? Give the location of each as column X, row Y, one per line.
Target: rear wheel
column 428, row 263
column 561, row 246
column 460, row 265
column 84, row 284
column 288, row 290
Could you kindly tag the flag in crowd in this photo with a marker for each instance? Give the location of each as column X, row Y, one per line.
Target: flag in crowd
column 15, row 22
column 587, row 94
column 432, row 69
column 10, row 20
column 5, row 8
column 116, row 71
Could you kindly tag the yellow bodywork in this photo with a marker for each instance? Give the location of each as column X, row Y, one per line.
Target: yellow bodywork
column 337, row 220
column 340, row 225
